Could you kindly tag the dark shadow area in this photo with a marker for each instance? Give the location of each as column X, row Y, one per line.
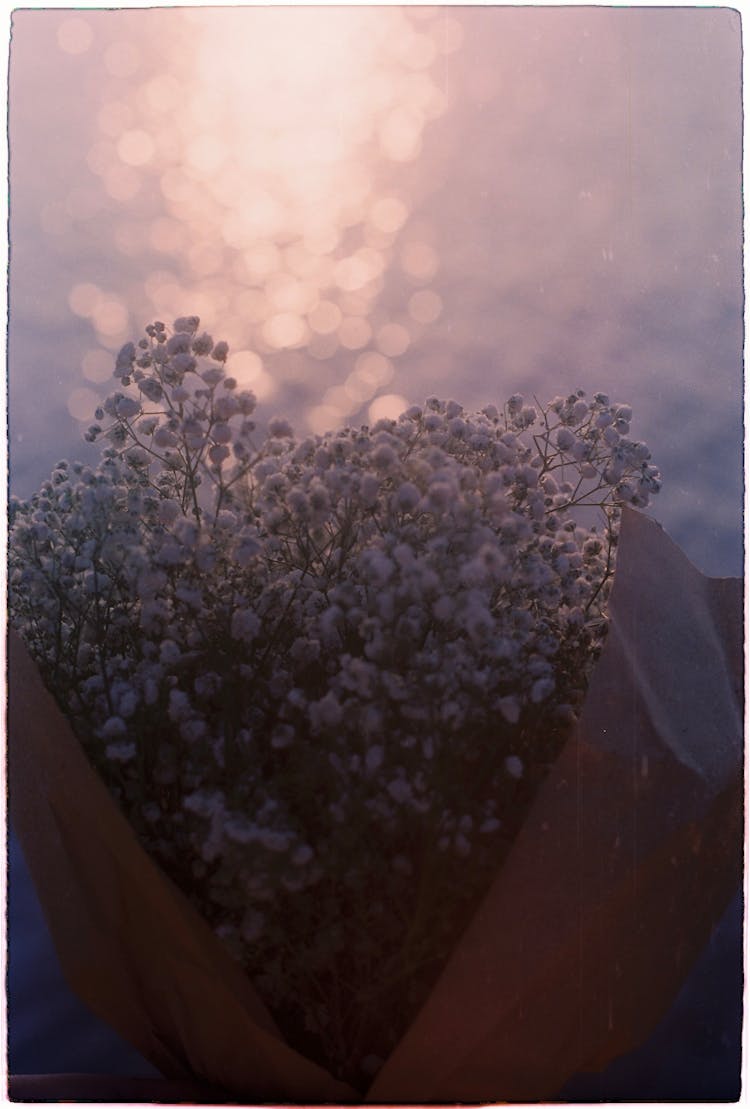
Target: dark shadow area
column 695, row 1052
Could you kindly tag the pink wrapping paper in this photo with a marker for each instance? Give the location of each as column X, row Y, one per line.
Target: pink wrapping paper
column 630, row 854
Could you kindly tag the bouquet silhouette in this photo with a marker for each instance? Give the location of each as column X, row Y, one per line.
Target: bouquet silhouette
column 341, row 768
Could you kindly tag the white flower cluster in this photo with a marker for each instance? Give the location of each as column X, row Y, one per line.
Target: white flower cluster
column 323, row 677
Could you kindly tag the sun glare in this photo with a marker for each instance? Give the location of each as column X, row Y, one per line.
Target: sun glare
column 258, row 156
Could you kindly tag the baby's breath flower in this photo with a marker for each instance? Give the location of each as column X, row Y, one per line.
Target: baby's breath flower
column 280, row 428
column 126, row 407
column 120, row 752
column 514, row 766
column 203, row 344
column 341, row 653
column 212, row 375
column 113, row 727
column 187, row 323
column 179, row 343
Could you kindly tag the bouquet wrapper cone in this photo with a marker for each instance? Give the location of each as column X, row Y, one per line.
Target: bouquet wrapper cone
column 629, row 856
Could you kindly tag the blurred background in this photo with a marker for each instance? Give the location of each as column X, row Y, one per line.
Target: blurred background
column 372, row 205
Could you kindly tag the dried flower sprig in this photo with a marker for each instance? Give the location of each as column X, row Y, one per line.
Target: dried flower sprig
column 323, row 677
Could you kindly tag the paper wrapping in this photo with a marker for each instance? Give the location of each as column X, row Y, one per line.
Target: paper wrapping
column 631, row 852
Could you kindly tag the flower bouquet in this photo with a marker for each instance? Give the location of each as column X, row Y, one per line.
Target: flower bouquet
column 362, row 811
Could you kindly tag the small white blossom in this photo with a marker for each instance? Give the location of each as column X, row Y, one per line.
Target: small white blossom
column 374, row 758
column 169, row 652
column 120, row 752
column 203, row 344
column 490, row 825
column 277, row 842
column 326, row 712
column 127, row 407
column 245, row 625
column 302, row 855
column 541, row 689
column 510, row 708
column 113, row 727
column 514, row 766
column 280, row 428
column 400, row 790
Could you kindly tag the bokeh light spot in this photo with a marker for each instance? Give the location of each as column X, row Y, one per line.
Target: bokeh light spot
column 356, row 270
column 248, row 368
column 82, row 403
column 323, row 417
column 261, row 260
column 168, row 297
column 359, row 387
column 135, row 148
column 354, row 332
column 83, row 298
column 321, row 240
column 264, row 386
column 401, row 134
column 245, row 365
column 393, row 339
column 285, row 329
column 97, row 365
column 356, row 304
column 389, row 214
column 419, row 260
column 374, row 367
column 430, row 101
column 300, row 261
column 287, row 294
column 163, row 92
column 210, row 304
column 425, row 306
column 350, row 273
column 122, row 59
column 206, row 153
column 325, row 317
column 109, row 316
column 75, row 35
column 121, row 183
column 338, row 398
column 388, row 407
